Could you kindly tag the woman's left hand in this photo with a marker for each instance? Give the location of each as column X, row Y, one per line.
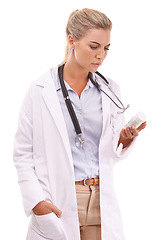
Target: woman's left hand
column 129, row 133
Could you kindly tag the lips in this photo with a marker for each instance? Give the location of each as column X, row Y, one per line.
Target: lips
column 96, row 64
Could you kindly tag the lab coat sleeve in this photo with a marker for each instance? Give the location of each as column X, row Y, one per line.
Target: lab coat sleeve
column 119, row 151
column 117, row 122
column 31, row 190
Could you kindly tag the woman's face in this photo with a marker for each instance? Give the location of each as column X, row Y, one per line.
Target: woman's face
column 91, row 50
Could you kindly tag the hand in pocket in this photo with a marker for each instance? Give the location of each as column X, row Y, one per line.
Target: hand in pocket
column 43, row 208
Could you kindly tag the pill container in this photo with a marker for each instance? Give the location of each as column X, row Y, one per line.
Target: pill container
column 137, row 120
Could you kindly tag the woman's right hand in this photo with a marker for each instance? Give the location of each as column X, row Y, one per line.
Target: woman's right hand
column 44, row 207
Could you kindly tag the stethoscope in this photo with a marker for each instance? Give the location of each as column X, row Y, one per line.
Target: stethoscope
column 79, row 139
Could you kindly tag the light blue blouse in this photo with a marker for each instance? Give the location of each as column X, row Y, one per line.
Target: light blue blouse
column 88, row 109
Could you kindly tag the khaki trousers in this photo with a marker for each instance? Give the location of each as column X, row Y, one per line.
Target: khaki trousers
column 88, row 201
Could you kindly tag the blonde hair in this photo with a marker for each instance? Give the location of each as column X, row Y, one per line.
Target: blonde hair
column 80, row 21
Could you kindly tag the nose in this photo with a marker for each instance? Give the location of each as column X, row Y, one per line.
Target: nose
column 101, row 54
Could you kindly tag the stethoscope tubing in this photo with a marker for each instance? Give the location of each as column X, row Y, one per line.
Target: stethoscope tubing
column 69, row 104
column 122, row 107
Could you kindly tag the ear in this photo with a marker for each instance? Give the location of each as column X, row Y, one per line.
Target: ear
column 71, row 41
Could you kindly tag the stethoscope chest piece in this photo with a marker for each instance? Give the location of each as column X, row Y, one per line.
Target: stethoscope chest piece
column 79, row 141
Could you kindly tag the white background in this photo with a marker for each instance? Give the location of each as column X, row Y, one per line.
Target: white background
column 33, row 40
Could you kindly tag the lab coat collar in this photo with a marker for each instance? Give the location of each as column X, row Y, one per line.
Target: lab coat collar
column 106, row 102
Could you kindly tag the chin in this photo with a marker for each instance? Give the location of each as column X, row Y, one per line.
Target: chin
column 93, row 69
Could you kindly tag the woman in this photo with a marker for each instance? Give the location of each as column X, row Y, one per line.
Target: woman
column 65, row 179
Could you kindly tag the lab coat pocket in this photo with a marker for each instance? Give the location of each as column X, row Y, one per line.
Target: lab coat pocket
column 50, row 227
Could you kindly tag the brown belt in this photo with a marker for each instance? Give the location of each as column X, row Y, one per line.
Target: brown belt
column 92, row 181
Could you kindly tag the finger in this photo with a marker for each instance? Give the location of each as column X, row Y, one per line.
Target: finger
column 142, row 126
column 123, row 133
column 128, row 132
column 134, row 131
column 56, row 210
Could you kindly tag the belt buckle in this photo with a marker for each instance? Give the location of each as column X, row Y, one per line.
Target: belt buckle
column 94, row 181
column 84, row 182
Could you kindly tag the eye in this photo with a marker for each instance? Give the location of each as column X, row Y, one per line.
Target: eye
column 106, row 48
column 93, row 47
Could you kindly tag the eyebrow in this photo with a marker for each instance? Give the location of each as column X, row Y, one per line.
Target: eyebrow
column 99, row 43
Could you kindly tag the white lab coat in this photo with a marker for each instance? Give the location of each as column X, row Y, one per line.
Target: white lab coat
column 44, row 163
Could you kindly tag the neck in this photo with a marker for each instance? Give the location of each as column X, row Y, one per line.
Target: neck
column 75, row 76
column 74, row 72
